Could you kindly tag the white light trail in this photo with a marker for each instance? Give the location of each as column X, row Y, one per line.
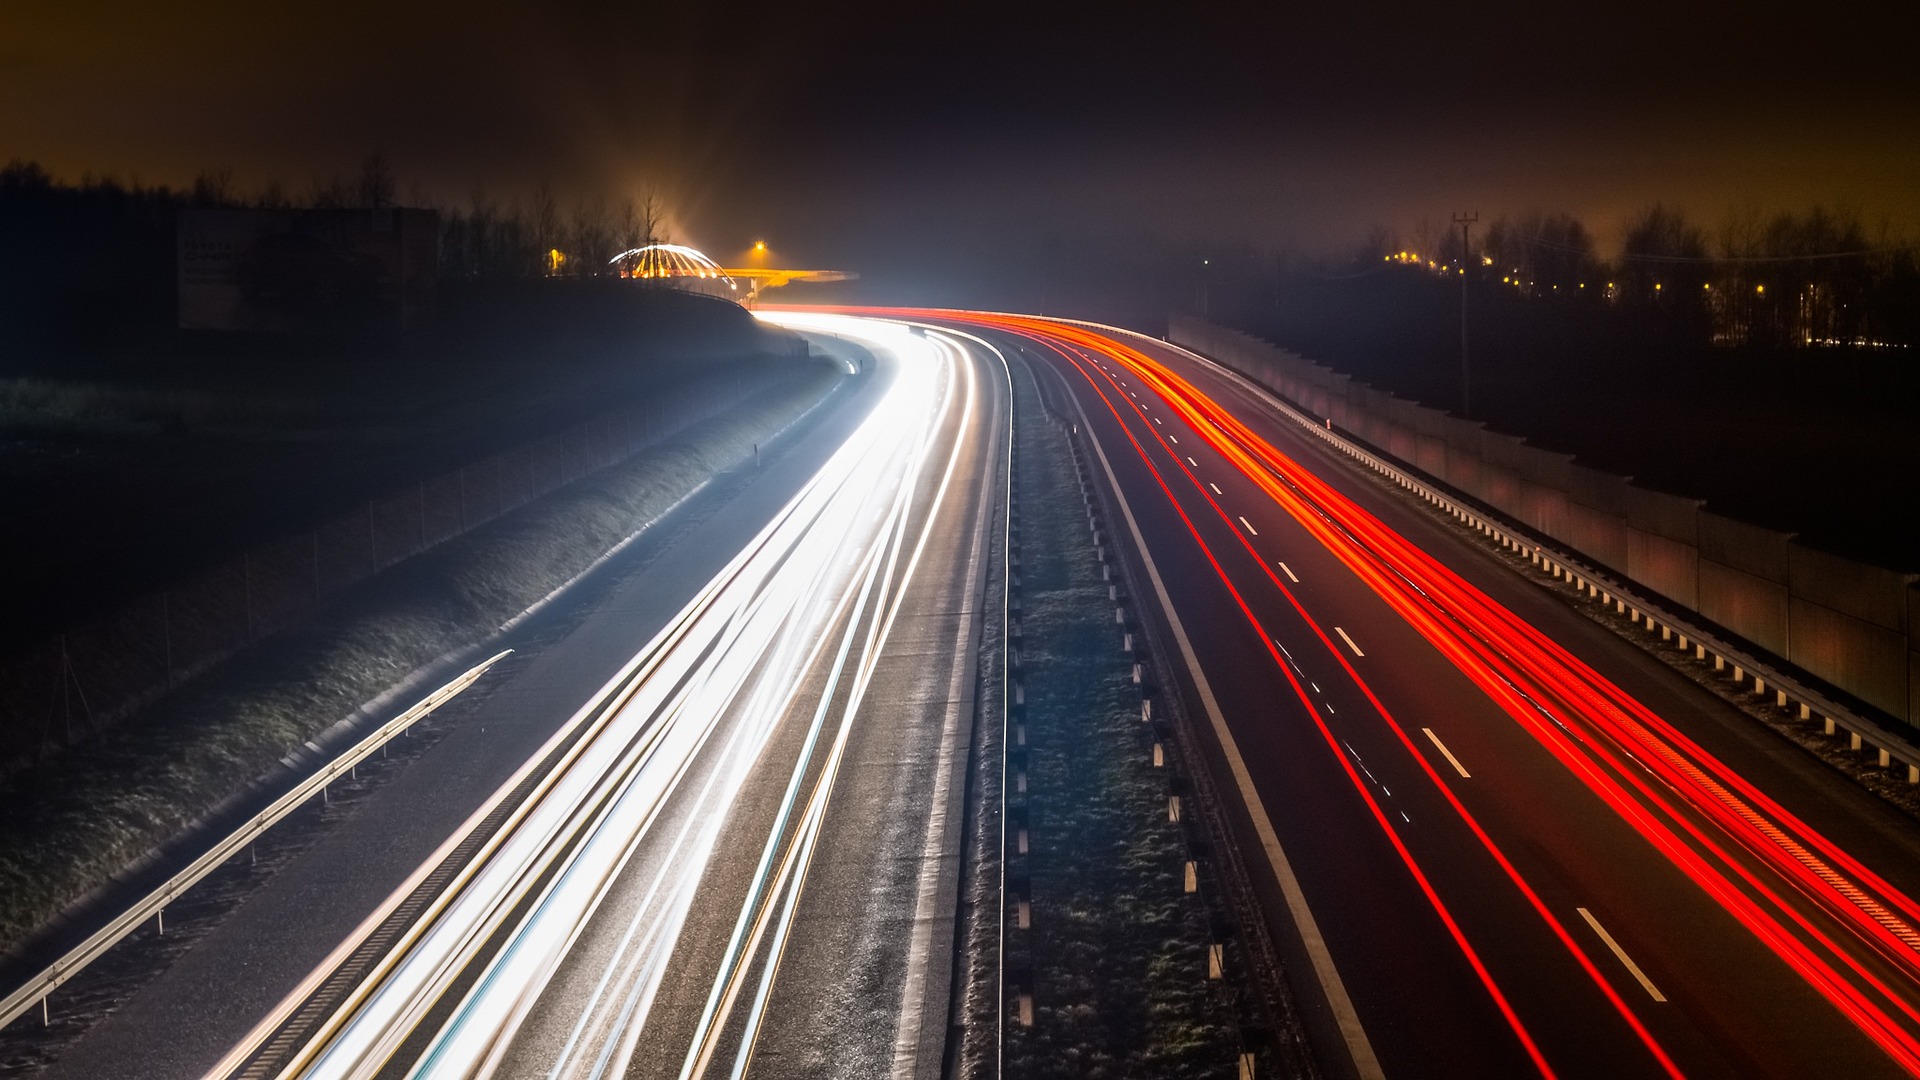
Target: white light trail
column 642, row 797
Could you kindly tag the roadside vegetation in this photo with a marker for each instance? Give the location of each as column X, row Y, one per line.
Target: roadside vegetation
column 73, row 822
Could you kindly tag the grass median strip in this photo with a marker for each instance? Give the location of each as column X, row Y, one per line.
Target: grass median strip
column 1117, row 950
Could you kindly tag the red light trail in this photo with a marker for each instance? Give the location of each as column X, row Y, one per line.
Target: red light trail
column 1742, row 848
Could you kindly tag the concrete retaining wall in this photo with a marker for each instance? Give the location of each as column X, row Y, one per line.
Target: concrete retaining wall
column 1848, row 623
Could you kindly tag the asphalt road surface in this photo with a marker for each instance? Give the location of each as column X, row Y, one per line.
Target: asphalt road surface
column 707, row 823
column 1499, row 840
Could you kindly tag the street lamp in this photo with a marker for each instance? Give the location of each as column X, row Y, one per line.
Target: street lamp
column 1465, row 221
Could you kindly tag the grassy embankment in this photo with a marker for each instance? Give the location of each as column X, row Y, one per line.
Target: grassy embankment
column 1117, row 949
column 72, row 823
column 136, row 470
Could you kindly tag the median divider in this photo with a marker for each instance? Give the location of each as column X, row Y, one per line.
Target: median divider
column 1084, row 778
column 1223, row 964
column 40, row 988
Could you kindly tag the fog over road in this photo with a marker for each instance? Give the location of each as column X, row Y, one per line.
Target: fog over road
column 1493, row 838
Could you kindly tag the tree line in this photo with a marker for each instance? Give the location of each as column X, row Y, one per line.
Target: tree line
column 94, row 259
column 1778, row 279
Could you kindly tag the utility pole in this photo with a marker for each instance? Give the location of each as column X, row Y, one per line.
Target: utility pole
column 1465, row 221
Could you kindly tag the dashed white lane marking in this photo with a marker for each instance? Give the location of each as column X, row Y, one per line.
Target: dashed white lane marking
column 1193, row 463
column 1288, row 570
column 1249, row 525
column 1632, row 968
column 1157, row 421
column 1174, row 439
column 1451, row 760
column 1343, row 636
column 1215, row 487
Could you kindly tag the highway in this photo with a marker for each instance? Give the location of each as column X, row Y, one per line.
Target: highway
column 1498, row 840
column 1490, row 837
column 737, row 855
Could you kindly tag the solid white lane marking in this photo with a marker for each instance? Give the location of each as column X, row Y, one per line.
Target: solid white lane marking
column 1249, row 525
column 1632, row 968
column 1193, row 463
column 1215, row 487
column 1349, row 641
column 1288, row 570
column 1366, row 1064
column 1454, row 761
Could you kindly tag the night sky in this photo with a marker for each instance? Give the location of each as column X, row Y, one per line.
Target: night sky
column 925, row 143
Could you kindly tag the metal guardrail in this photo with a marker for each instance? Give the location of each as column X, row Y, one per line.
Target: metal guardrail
column 154, row 905
column 1748, row 666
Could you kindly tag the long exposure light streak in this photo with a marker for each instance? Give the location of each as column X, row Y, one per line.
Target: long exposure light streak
column 661, row 755
column 1684, row 801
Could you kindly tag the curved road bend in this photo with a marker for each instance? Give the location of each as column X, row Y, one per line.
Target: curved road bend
column 1522, row 846
column 629, row 894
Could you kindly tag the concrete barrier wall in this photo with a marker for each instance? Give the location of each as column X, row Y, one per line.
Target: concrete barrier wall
column 1846, row 622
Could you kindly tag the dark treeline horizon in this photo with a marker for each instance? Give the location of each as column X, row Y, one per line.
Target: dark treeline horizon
column 88, row 266
column 1821, row 276
column 81, row 262
column 1818, row 278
